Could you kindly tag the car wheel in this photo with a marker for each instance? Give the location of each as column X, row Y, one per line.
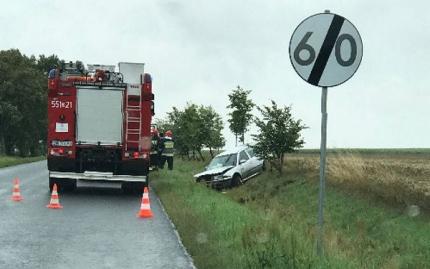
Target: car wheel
column 236, row 180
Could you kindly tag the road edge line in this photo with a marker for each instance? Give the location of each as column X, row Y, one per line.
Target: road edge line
column 190, row 259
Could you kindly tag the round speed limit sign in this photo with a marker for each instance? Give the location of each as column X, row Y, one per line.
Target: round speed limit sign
column 326, row 49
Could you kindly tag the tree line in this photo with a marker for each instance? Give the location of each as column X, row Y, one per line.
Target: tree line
column 197, row 127
column 23, row 102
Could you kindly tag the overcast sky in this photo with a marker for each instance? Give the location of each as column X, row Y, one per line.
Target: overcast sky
column 198, row 51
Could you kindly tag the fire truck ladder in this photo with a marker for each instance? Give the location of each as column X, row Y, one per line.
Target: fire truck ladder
column 133, row 119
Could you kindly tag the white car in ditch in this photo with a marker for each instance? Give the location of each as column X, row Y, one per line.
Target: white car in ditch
column 231, row 168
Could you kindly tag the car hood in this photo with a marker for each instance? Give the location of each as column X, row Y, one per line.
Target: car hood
column 214, row 171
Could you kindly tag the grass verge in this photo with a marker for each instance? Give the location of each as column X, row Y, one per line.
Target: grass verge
column 270, row 222
column 6, row 161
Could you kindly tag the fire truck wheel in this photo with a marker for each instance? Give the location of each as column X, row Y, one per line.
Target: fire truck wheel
column 133, row 187
column 51, row 183
column 62, row 185
column 69, row 185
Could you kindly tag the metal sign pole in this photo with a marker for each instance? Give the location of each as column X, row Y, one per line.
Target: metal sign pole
column 325, row 64
column 320, row 240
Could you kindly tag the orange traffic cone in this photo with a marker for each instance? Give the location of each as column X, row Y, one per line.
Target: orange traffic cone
column 55, row 201
column 145, row 208
column 16, row 194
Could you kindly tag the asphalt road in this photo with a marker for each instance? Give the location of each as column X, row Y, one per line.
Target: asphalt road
column 97, row 228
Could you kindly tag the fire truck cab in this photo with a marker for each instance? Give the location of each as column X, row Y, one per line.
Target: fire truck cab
column 99, row 122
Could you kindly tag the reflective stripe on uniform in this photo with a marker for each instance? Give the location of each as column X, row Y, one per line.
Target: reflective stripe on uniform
column 168, row 144
column 168, row 148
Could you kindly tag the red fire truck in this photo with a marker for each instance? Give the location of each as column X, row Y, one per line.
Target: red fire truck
column 99, row 124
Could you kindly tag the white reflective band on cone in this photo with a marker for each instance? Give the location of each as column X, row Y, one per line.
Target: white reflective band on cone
column 145, row 206
column 145, row 195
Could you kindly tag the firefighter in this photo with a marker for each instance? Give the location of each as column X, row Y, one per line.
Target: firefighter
column 167, row 150
column 160, row 150
column 154, row 157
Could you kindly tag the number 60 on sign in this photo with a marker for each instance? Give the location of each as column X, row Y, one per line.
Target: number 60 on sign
column 326, row 50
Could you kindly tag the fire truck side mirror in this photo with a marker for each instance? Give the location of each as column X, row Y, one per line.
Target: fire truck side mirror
column 152, row 108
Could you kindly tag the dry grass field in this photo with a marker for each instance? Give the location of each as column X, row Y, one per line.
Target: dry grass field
column 397, row 177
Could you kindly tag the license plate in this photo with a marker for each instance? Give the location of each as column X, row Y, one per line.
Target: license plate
column 59, row 143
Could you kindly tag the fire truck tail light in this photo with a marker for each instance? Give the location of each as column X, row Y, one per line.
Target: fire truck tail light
column 145, row 155
column 59, row 152
column 70, row 152
column 135, row 154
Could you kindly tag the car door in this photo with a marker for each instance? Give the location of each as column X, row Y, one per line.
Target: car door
column 245, row 164
column 255, row 163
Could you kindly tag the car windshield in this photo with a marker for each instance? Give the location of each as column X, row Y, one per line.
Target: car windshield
column 221, row 161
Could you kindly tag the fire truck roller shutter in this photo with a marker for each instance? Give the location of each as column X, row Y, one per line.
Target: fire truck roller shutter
column 99, row 115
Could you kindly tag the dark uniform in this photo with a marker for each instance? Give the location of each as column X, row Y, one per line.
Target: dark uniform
column 167, row 152
column 154, row 159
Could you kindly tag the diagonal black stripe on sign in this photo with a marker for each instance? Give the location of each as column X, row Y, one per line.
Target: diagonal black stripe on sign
column 326, row 48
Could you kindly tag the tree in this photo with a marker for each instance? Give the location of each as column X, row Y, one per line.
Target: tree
column 44, row 64
column 278, row 133
column 194, row 128
column 191, row 135
column 211, row 128
column 240, row 116
column 163, row 125
column 175, row 120
column 23, row 98
column 186, row 124
column 23, row 101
